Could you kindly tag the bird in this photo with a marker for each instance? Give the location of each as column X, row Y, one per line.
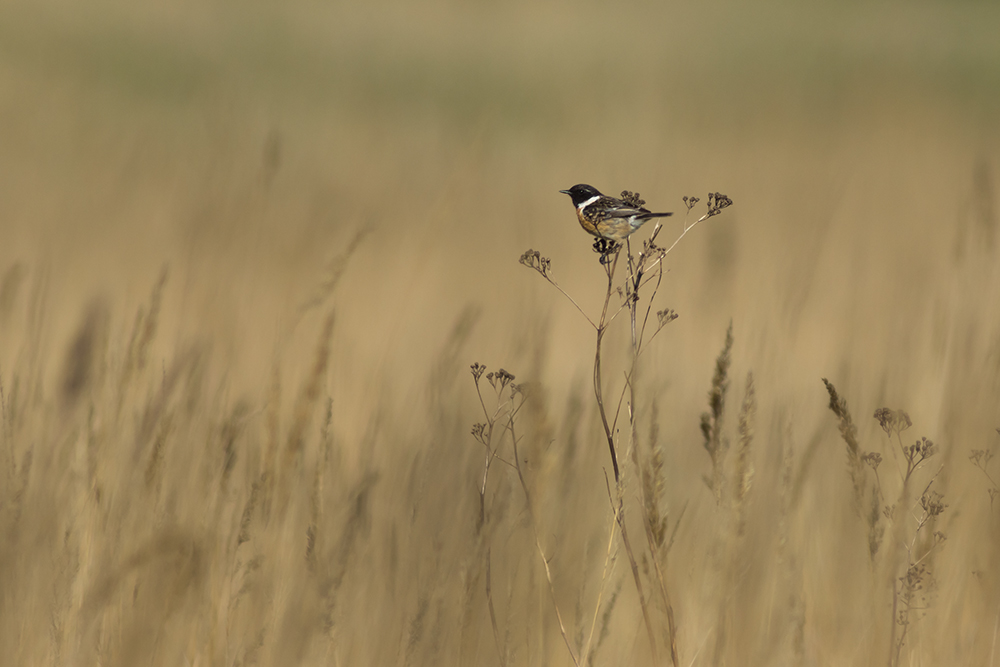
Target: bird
column 607, row 217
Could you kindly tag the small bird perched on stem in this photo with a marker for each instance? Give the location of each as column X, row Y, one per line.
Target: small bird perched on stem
column 606, row 217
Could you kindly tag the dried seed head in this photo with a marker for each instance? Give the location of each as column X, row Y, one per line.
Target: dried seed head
column 980, row 457
column 872, row 459
column 534, row 260
column 931, row 502
column 666, row 316
column 926, row 448
column 716, row 202
column 650, row 249
column 477, row 371
column 913, row 579
column 500, row 379
column 632, row 199
column 893, row 421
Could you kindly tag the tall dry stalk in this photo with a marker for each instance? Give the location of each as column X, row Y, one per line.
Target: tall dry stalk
column 641, row 270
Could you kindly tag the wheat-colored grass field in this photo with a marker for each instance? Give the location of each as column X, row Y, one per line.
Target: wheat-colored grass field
column 249, row 252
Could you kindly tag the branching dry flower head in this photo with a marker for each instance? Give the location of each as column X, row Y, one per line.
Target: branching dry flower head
column 981, row 459
column 534, row 260
column 873, row 460
column 666, row 316
column 912, row 595
column 717, row 202
column 932, row 503
column 632, row 199
column 919, row 452
column 500, row 379
column 893, row 421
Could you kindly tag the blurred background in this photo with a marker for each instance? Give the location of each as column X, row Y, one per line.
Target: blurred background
column 234, row 172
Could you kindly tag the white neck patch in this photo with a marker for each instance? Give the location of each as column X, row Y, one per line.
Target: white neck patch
column 589, row 201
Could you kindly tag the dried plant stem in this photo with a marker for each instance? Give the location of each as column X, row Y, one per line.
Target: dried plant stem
column 538, row 544
column 894, row 561
column 902, row 616
column 573, row 301
column 638, row 582
column 636, row 271
column 493, row 613
column 993, row 646
column 600, row 402
column 609, row 559
column 598, row 391
column 484, row 434
column 504, row 416
column 664, row 593
column 491, row 456
column 662, row 255
column 687, row 228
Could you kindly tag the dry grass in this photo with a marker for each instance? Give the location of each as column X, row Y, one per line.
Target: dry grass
column 247, row 257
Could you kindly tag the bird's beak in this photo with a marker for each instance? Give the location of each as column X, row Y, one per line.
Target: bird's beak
column 565, row 192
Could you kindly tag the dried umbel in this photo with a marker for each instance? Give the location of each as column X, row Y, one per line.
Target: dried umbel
column 919, row 452
column 873, row 460
column 477, row 371
column 717, row 202
column 500, row 379
column 980, row 458
column 893, row 421
column 931, row 502
column 632, row 199
column 534, row 260
column 666, row 316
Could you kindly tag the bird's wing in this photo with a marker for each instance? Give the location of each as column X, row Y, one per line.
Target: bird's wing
column 624, row 211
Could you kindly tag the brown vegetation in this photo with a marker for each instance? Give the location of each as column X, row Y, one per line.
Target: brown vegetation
column 247, row 256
